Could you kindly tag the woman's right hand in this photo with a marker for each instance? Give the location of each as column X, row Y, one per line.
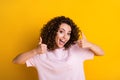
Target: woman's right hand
column 42, row 48
column 21, row 58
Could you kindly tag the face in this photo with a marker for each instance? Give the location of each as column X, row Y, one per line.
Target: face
column 63, row 35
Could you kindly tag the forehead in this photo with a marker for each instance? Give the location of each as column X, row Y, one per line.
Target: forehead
column 65, row 27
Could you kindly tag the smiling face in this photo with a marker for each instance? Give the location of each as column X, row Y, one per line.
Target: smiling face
column 63, row 35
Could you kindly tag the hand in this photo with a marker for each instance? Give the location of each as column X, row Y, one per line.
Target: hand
column 83, row 43
column 42, row 48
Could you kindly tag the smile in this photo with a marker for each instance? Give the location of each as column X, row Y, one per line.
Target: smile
column 61, row 42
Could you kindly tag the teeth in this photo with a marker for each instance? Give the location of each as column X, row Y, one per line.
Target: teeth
column 62, row 41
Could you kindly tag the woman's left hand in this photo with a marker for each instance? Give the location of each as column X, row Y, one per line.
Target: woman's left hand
column 83, row 43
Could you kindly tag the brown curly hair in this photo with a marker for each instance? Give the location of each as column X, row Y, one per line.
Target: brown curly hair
column 49, row 31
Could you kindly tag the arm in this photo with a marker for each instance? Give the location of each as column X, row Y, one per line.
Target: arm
column 95, row 49
column 83, row 43
column 21, row 58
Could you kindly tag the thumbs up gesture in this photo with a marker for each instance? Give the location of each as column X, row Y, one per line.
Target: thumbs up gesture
column 83, row 43
column 42, row 48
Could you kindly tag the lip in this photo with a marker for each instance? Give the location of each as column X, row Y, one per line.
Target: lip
column 61, row 42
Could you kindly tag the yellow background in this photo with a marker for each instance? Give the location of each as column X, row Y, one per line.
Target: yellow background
column 21, row 20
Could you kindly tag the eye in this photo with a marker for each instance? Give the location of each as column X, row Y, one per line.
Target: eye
column 61, row 31
column 68, row 34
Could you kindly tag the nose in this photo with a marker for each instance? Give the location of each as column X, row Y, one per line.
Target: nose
column 65, row 36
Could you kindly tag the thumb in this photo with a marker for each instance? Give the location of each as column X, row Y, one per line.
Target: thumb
column 40, row 42
column 83, row 36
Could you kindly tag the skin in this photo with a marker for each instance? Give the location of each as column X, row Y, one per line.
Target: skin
column 62, row 37
column 84, row 43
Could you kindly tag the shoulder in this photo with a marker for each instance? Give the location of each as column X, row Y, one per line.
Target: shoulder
column 76, row 49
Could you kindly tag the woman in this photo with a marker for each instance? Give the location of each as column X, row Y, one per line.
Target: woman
column 60, row 55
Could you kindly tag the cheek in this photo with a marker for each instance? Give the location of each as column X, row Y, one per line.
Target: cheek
column 68, row 38
column 56, row 39
column 59, row 35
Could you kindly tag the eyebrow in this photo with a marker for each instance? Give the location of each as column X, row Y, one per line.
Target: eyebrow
column 64, row 30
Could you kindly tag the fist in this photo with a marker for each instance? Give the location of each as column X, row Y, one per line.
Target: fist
column 83, row 43
column 42, row 48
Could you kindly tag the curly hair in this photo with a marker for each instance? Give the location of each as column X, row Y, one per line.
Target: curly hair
column 49, row 32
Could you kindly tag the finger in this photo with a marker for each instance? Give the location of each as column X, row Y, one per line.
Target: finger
column 43, row 45
column 83, row 36
column 43, row 48
column 40, row 42
column 79, row 42
column 80, row 37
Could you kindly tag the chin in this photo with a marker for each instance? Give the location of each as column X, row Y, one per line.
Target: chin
column 60, row 46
